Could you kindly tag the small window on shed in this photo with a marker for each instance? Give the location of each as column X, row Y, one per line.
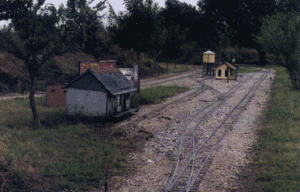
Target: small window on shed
column 52, row 90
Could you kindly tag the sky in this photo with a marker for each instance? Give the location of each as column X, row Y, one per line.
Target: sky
column 118, row 4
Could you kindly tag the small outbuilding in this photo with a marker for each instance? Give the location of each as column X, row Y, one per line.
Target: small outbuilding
column 99, row 93
column 55, row 95
column 226, row 71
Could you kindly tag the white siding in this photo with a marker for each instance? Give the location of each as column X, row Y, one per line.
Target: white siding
column 86, row 102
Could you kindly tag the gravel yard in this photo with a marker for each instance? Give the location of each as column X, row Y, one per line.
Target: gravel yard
column 151, row 166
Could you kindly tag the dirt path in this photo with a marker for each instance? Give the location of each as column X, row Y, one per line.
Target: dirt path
column 6, row 97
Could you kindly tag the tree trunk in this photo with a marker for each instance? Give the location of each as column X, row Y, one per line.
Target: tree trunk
column 36, row 120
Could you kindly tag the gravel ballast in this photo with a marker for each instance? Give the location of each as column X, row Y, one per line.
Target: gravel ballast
column 151, row 167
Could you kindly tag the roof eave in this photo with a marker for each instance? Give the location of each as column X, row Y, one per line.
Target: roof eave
column 124, row 91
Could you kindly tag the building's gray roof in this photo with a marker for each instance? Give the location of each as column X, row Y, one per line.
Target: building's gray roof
column 112, row 79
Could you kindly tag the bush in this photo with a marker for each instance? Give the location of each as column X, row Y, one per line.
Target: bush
column 148, row 63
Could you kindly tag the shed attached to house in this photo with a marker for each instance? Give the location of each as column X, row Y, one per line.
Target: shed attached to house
column 99, row 93
column 226, row 71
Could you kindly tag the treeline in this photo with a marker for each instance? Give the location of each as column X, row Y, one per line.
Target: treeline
column 177, row 32
column 180, row 31
column 77, row 26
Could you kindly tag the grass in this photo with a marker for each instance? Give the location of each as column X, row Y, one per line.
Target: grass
column 63, row 154
column 248, row 70
column 278, row 148
column 66, row 153
column 156, row 94
column 178, row 69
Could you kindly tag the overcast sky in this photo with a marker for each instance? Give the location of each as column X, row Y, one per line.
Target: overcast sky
column 118, row 4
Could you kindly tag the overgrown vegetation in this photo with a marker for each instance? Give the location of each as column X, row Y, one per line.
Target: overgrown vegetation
column 280, row 35
column 156, row 94
column 63, row 154
column 277, row 152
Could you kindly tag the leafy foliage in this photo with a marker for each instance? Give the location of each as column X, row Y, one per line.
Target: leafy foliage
column 139, row 28
column 80, row 25
column 34, row 37
column 280, row 35
column 181, row 27
column 241, row 19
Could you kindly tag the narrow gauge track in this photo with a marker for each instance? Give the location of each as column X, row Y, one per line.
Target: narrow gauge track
column 210, row 88
column 168, row 79
column 205, row 106
column 199, row 152
column 164, row 107
column 209, row 108
column 180, row 180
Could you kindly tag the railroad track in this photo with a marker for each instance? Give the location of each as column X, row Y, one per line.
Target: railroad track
column 165, row 80
column 207, row 109
column 143, row 118
column 195, row 151
column 153, row 113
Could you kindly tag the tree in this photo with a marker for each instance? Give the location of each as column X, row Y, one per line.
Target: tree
column 80, row 25
column 288, row 6
column 34, row 36
column 238, row 20
column 138, row 28
column 280, row 35
column 180, row 21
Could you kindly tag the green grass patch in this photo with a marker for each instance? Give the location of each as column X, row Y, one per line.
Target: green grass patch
column 278, row 148
column 175, row 68
column 156, row 94
column 63, row 154
column 248, row 70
